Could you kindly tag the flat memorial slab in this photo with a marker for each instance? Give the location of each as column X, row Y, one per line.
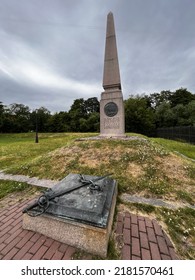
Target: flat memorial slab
column 82, row 218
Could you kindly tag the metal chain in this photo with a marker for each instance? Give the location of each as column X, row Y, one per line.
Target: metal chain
column 43, row 203
column 92, row 185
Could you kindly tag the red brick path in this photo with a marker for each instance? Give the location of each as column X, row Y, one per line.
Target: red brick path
column 19, row 244
column 140, row 238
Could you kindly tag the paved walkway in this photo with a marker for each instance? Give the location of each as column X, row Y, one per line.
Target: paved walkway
column 154, row 201
column 29, row 180
column 137, row 238
column 142, row 239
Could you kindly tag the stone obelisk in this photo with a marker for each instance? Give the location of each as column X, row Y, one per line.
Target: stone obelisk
column 112, row 120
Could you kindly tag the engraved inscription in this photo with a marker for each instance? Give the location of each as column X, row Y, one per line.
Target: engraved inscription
column 111, row 123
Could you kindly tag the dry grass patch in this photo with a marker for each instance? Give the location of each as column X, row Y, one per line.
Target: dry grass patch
column 174, row 167
column 135, row 170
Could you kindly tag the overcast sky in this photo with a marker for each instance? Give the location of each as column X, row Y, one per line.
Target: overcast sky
column 52, row 51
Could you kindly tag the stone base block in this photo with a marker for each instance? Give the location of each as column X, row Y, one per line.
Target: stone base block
column 89, row 238
column 112, row 116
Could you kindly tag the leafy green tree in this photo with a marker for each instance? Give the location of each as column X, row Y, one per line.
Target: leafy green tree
column 2, row 110
column 181, row 115
column 190, row 108
column 59, row 122
column 181, row 96
column 155, row 99
column 77, row 111
column 84, row 115
column 19, row 115
column 78, row 108
column 92, row 105
column 83, row 125
column 93, row 122
column 138, row 116
column 42, row 116
column 164, row 115
column 6, row 119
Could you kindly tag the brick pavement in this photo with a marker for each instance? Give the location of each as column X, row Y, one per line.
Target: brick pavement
column 138, row 238
column 142, row 239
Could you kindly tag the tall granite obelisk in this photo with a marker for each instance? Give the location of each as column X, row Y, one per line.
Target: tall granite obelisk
column 112, row 120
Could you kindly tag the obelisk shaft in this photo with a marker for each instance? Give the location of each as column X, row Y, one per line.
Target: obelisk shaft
column 112, row 120
column 111, row 77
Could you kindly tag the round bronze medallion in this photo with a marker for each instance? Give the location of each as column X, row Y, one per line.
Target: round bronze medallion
column 111, row 109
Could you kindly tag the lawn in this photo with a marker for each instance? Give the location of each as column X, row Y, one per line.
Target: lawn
column 16, row 149
column 182, row 148
column 143, row 167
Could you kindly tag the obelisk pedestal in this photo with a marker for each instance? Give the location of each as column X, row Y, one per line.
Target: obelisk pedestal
column 112, row 118
column 112, row 114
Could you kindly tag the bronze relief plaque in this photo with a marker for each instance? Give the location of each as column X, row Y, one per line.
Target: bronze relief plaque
column 111, row 109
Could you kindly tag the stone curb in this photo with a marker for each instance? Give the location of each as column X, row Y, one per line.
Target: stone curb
column 153, row 201
column 29, row 180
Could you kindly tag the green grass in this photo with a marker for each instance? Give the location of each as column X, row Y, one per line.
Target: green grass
column 113, row 253
column 185, row 149
column 7, row 187
column 181, row 227
column 182, row 194
column 20, row 149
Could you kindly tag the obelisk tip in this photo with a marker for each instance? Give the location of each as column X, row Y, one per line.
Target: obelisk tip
column 110, row 14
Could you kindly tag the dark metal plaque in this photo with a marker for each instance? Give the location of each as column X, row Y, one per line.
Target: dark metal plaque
column 84, row 205
column 111, row 109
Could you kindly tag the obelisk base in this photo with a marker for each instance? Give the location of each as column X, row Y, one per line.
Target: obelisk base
column 112, row 117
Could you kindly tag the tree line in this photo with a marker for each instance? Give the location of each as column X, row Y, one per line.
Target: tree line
column 143, row 114
column 83, row 116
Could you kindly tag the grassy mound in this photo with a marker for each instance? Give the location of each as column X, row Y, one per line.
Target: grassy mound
column 155, row 168
column 141, row 166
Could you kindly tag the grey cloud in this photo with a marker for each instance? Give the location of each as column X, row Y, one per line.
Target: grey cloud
column 60, row 45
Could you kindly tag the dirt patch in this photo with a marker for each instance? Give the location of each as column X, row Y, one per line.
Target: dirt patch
column 94, row 157
column 135, row 170
column 65, row 151
column 174, row 168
